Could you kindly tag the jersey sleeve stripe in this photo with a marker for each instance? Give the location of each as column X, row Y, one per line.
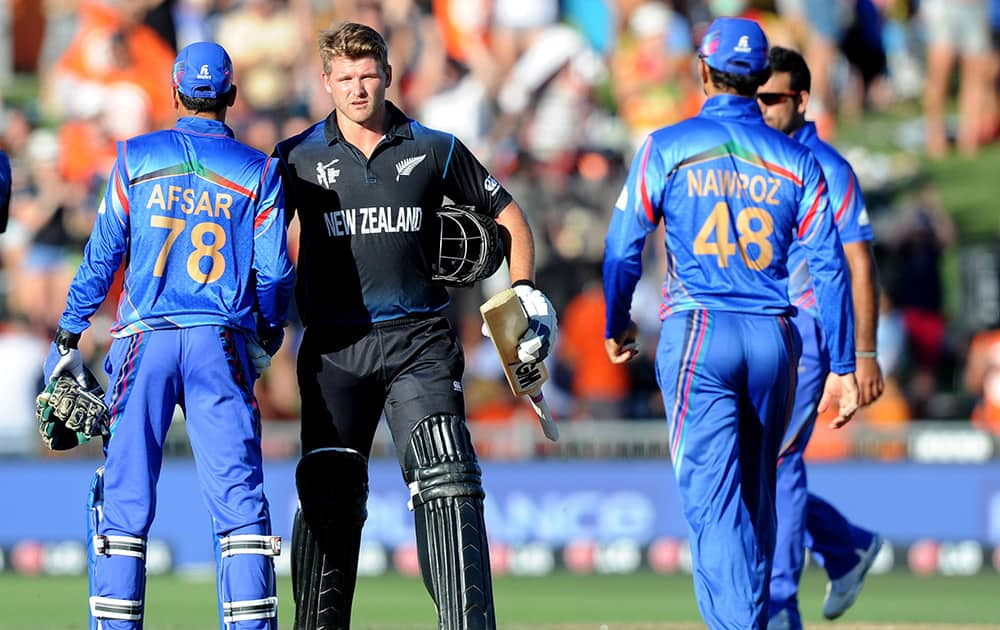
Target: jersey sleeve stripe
column 263, row 220
column 807, row 221
column 447, row 162
column 847, row 200
column 647, row 206
column 263, row 175
column 122, row 195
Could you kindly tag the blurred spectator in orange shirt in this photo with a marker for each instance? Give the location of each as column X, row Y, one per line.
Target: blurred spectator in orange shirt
column 111, row 47
column 600, row 388
column 982, row 379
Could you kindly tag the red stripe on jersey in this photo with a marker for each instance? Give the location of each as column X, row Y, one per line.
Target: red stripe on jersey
column 847, row 199
column 647, row 206
column 122, row 196
column 261, row 218
column 804, row 226
column 784, row 172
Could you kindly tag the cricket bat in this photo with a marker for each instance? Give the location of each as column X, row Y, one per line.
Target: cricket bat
column 506, row 321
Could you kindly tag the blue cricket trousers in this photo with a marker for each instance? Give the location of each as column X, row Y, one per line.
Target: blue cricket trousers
column 205, row 370
column 804, row 520
column 727, row 381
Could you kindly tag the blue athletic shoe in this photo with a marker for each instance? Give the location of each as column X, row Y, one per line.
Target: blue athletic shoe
column 842, row 592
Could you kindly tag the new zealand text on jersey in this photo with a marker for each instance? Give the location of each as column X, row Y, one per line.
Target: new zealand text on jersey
column 375, row 220
column 726, row 183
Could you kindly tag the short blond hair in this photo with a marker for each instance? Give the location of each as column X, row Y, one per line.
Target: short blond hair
column 354, row 41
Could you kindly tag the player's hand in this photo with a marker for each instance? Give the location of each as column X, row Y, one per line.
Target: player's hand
column 539, row 339
column 870, row 383
column 270, row 338
column 64, row 356
column 258, row 355
column 263, row 346
column 842, row 389
column 625, row 346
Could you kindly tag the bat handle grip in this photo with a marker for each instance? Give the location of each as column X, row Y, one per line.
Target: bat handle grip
column 545, row 419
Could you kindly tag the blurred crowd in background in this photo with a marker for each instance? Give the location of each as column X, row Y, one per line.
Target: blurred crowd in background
column 554, row 96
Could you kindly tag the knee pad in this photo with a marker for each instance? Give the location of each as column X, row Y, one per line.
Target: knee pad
column 112, row 553
column 326, row 536
column 446, row 496
column 245, row 577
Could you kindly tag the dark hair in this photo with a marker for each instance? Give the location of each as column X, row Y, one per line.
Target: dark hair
column 743, row 84
column 786, row 60
column 199, row 104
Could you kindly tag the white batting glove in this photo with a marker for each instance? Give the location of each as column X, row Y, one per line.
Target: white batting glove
column 261, row 359
column 539, row 339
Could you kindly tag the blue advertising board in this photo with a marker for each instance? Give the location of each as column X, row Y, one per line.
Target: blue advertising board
column 554, row 502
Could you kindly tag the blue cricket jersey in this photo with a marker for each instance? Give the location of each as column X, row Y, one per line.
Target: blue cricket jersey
column 849, row 213
column 733, row 194
column 199, row 220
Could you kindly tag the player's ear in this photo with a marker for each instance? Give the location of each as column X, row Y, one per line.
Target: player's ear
column 803, row 101
column 703, row 71
column 325, row 78
column 231, row 96
column 388, row 75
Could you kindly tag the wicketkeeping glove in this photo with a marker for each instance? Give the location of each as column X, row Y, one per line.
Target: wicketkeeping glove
column 539, row 339
column 69, row 414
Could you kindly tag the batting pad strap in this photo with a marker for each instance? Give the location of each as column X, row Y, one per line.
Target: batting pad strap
column 460, row 479
column 111, row 608
column 250, row 609
column 239, row 544
column 120, row 546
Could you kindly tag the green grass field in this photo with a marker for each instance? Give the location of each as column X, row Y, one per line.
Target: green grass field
column 642, row 601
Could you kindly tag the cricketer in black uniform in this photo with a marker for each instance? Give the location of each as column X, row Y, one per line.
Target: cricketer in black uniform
column 364, row 183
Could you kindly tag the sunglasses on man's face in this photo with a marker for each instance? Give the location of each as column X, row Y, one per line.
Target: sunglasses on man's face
column 773, row 98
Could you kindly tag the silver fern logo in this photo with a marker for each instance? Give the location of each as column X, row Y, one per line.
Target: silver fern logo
column 405, row 167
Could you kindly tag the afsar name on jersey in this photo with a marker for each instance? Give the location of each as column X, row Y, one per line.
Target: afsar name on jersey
column 374, row 220
column 177, row 197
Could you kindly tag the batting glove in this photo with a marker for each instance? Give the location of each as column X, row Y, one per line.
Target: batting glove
column 64, row 356
column 538, row 340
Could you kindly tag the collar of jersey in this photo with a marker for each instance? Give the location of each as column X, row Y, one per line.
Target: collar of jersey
column 399, row 125
column 203, row 126
column 806, row 133
column 731, row 106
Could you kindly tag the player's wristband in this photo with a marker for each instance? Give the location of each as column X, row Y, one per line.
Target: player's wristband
column 525, row 282
column 866, row 354
column 67, row 339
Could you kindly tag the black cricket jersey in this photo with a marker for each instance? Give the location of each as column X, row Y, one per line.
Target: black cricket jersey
column 366, row 228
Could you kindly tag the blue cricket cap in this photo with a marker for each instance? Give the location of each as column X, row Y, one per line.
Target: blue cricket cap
column 203, row 70
column 734, row 45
